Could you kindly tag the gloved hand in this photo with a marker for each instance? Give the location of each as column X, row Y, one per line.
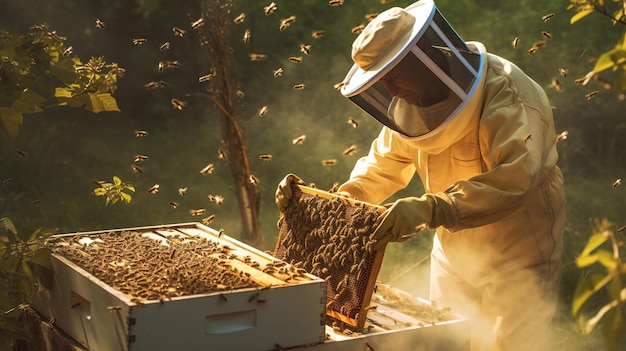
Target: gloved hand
column 403, row 219
column 283, row 191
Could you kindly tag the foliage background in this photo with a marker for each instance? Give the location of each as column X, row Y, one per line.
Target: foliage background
column 68, row 149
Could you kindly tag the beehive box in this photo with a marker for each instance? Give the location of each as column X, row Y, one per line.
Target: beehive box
column 330, row 237
column 267, row 305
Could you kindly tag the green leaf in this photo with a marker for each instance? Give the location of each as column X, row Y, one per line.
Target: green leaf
column 62, row 93
column 29, row 102
column 606, row 259
column 610, row 59
column 580, row 15
column 587, row 287
column 594, row 242
column 587, row 260
column 125, row 197
column 11, row 120
column 12, row 327
column 130, row 187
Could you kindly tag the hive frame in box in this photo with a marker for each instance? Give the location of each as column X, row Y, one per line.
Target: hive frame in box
column 102, row 318
column 374, row 262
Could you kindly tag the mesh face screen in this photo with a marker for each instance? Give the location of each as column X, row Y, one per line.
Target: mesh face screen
column 331, row 238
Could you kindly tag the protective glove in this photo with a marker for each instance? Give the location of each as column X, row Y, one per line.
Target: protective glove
column 284, row 193
column 402, row 220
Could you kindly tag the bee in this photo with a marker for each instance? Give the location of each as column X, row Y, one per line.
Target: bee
column 547, row 17
column 563, row 72
column 198, row 212
column 178, row 104
column 68, row 51
column 338, row 86
column 7, row 181
column 205, row 78
column 371, row 16
column 546, row 35
column 208, row 220
column 182, row 191
column 174, row 204
column 515, row 42
column 153, row 189
column 298, row 86
column 36, row 202
column 532, row 50
column 270, row 8
column 139, row 41
column 171, row 64
column 253, row 180
column 562, row 136
column 557, row 85
column 316, row 34
column 165, row 46
column 617, row 182
column 197, row 23
column 358, row 29
column 286, row 22
column 621, row 229
column 254, row 296
column 207, row 170
column 385, row 1
column 239, row 93
column 305, row 49
column 299, row 140
column 218, row 199
column 588, row 96
column 246, row 36
column 335, row 2
column 349, row 151
column 220, row 234
column 155, row 85
column 278, row 72
column 240, row 18
column 266, row 157
column 353, row 122
column 221, row 154
column 528, row 137
column 296, row 59
column 99, row 24
column 329, row 162
column 178, row 31
column 257, row 57
column 139, row 157
column 263, row 111
column 22, row 153
column 136, row 169
column 114, row 308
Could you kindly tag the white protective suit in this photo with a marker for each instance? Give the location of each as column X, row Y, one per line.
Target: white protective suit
column 496, row 198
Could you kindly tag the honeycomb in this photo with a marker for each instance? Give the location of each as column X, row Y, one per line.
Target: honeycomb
column 330, row 237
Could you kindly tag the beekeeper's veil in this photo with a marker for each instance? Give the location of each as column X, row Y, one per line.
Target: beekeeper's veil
column 422, row 31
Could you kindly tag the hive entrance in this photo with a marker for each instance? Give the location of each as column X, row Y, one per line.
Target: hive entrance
column 330, row 237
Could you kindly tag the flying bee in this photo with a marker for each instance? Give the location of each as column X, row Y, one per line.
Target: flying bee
column 197, row 23
column 557, row 85
column 562, row 136
column 528, row 137
column 305, row 49
column 263, row 111
column 286, row 22
column 540, row 44
column 240, row 18
column 532, row 50
column 208, row 220
column 358, row 29
column 329, row 162
column 136, row 169
column 563, row 72
column 515, row 42
column 171, row 64
column 353, row 122
column 114, row 308
column 546, row 35
column 371, row 16
column 257, row 57
column 22, row 153
column 221, row 154
column 205, row 78
column 588, row 96
column 153, row 189
column 338, row 86
column 270, row 8
column 165, row 46
column 139, row 41
column 99, row 24
column 178, row 31
column 253, row 180
column 139, row 157
column 349, row 151
column 155, row 85
column 207, row 170
column 385, row 1
column 547, row 17
column 617, row 182
column 68, row 51
column 174, row 204
column 318, row 34
column 239, row 93
column 266, row 157
column 298, row 86
column 335, row 2
column 246, row 36
column 198, row 212
column 296, row 59
column 7, row 181
column 278, row 72
column 182, row 191
column 299, row 140
column 218, row 199
column 178, row 104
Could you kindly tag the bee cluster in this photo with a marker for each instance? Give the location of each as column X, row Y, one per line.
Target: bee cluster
column 331, row 238
column 149, row 269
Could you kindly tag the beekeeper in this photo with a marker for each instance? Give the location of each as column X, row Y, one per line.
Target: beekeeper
column 480, row 134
